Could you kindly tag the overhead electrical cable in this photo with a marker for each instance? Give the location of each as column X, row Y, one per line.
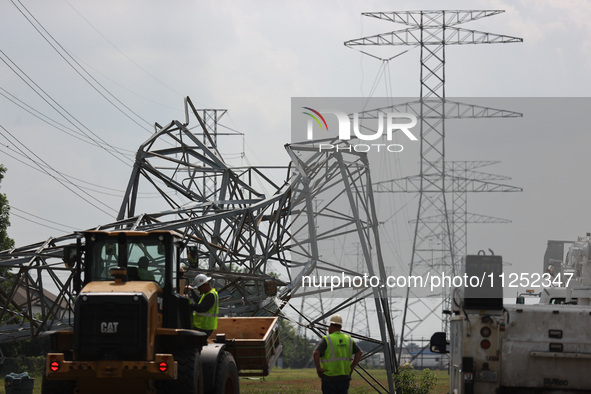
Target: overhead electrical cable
column 123, row 53
column 38, row 217
column 26, row 81
column 61, row 181
column 80, row 66
column 132, row 61
column 57, row 125
column 40, row 224
column 120, row 193
column 125, row 88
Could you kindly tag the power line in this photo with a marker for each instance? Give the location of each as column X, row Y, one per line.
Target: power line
column 54, row 177
column 46, row 119
column 60, row 173
column 38, row 217
column 40, row 224
column 57, row 104
column 123, row 53
column 64, row 175
column 80, row 66
column 123, row 87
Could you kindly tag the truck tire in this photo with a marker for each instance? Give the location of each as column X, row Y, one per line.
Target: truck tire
column 57, row 386
column 190, row 377
column 226, row 375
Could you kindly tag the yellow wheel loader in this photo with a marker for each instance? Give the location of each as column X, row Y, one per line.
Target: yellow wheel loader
column 131, row 331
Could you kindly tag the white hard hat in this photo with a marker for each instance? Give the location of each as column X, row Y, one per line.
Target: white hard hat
column 201, row 279
column 336, row 319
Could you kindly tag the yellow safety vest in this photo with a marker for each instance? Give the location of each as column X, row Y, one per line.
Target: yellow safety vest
column 207, row 320
column 144, row 274
column 338, row 354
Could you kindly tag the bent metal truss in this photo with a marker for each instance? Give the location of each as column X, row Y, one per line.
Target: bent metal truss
column 251, row 242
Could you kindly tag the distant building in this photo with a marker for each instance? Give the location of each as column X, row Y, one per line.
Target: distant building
column 423, row 359
column 31, row 302
column 375, row 360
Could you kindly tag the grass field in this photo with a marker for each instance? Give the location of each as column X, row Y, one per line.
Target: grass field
column 292, row 381
column 304, row 381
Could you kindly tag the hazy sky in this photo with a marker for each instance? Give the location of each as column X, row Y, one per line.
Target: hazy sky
column 251, row 57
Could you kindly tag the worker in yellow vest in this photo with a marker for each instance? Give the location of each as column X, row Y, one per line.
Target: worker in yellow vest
column 205, row 308
column 142, row 270
column 335, row 357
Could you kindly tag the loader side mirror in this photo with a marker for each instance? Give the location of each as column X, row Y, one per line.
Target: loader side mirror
column 70, row 255
column 438, row 343
column 192, row 253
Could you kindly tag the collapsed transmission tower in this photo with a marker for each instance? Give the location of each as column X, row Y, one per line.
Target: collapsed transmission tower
column 345, row 214
column 259, row 247
column 432, row 31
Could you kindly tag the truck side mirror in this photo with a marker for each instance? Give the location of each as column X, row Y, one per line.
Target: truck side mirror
column 438, row 343
column 520, row 300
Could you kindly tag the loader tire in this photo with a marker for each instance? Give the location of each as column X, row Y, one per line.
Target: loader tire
column 190, row 377
column 226, row 375
column 57, row 386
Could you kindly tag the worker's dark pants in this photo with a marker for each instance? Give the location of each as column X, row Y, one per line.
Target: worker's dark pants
column 335, row 387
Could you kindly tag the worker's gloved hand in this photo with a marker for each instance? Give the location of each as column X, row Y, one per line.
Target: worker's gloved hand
column 321, row 372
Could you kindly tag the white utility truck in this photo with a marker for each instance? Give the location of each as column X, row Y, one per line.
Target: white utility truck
column 519, row 349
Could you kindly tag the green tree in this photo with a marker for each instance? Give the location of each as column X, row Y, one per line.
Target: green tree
column 409, row 381
column 5, row 241
column 297, row 350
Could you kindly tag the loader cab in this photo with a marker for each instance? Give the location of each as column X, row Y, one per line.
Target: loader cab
column 140, row 256
column 145, row 256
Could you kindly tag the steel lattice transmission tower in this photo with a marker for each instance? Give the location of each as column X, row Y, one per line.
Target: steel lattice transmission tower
column 466, row 179
column 359, row 317
column 211, row 118
column 432, row 31
column 463, row 179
